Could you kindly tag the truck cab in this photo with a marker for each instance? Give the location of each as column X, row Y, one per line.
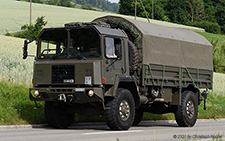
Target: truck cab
column 76, row 68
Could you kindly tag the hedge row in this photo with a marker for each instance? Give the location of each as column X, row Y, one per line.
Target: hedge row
column 208, row 26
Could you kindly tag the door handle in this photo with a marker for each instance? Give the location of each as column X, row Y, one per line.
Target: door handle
column 123, row 70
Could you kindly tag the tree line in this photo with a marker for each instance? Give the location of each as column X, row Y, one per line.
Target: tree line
column 86, row 4
column 102, row 4
column 207, row 14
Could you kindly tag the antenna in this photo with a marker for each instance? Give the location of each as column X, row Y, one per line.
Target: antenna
column 30, row 10
column 152, row 9
column 135, row 9
column 143, row 9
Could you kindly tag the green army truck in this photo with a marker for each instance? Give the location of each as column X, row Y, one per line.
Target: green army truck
column 120, row 68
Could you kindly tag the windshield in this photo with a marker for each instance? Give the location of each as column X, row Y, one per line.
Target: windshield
column 83, row 43
column 53, row 43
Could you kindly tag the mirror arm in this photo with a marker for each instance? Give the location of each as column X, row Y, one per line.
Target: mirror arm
column 25, row 46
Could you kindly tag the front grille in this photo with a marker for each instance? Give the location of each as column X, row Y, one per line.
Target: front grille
column 63, row 74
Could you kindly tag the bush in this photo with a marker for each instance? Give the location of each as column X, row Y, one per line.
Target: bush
column 223, row 29
column 32, row 31
column 87, row 7
column 216, row 60
column 34, row 1
column 208, row 26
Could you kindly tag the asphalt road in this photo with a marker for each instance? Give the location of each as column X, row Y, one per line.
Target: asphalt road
column 146, row 131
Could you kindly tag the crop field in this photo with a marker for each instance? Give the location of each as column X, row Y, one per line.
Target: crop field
column 14, row 14
column 12, row 66
column 219, row 83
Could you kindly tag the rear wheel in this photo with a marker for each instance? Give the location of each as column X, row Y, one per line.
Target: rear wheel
column 186, row 114
column 56, row 115
column 119, row 112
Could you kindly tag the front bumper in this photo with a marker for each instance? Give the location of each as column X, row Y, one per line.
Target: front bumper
column 73, row 95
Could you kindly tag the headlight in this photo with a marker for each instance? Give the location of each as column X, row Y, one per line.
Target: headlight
column 90, row 93
column 36, row 93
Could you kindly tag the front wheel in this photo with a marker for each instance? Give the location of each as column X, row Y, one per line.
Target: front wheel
column 186, row 114
column 138, row 117
column 120, row 111
column 56, row 115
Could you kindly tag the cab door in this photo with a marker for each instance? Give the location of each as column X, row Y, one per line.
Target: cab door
column 114, row 58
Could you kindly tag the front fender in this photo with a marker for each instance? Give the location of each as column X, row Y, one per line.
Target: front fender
column 128, row 83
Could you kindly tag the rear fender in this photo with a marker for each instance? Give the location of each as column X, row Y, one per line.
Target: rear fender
column 196, row 91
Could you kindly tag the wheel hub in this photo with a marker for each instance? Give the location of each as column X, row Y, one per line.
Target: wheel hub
column 124, row 110
column 190, row 109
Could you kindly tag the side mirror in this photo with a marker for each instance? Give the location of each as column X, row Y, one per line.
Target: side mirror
column 25, row 53
column 25, row 46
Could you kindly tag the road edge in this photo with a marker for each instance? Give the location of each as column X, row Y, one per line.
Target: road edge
column 93, row 123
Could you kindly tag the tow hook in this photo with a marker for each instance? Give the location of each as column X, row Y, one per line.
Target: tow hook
column 62, row 97
column 204, row 95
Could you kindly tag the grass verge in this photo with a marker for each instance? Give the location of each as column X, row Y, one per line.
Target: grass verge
column 221, row 41
column 16, row 107
column 214, row 37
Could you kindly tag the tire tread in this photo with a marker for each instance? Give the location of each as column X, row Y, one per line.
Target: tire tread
column 180, row 111
column 111, row 113
column 53, row 118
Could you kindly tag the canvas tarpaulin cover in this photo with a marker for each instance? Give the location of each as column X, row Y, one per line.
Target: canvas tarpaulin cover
column 165, row 45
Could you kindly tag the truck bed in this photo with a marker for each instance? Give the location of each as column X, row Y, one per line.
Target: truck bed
column 169, row 76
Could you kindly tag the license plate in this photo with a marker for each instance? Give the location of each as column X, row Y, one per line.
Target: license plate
column 68, row 81
column 87, row 80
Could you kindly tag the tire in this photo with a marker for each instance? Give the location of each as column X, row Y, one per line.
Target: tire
column 120, row 111
column 133, row 57
column 186, row 114
column 138, row 117
column 56, row 115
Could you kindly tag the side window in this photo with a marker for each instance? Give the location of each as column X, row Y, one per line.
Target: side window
column 112, row 47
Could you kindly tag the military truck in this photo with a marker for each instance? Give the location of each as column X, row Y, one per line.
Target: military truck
column 120, row 68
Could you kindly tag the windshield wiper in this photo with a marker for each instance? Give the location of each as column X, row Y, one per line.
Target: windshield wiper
column 81, row 56
column 54, row 56
column 78, row 55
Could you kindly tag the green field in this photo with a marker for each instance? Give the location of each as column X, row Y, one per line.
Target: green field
column 12, row 66
column 213, row 37
column 14, row 14
column 221, row 41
